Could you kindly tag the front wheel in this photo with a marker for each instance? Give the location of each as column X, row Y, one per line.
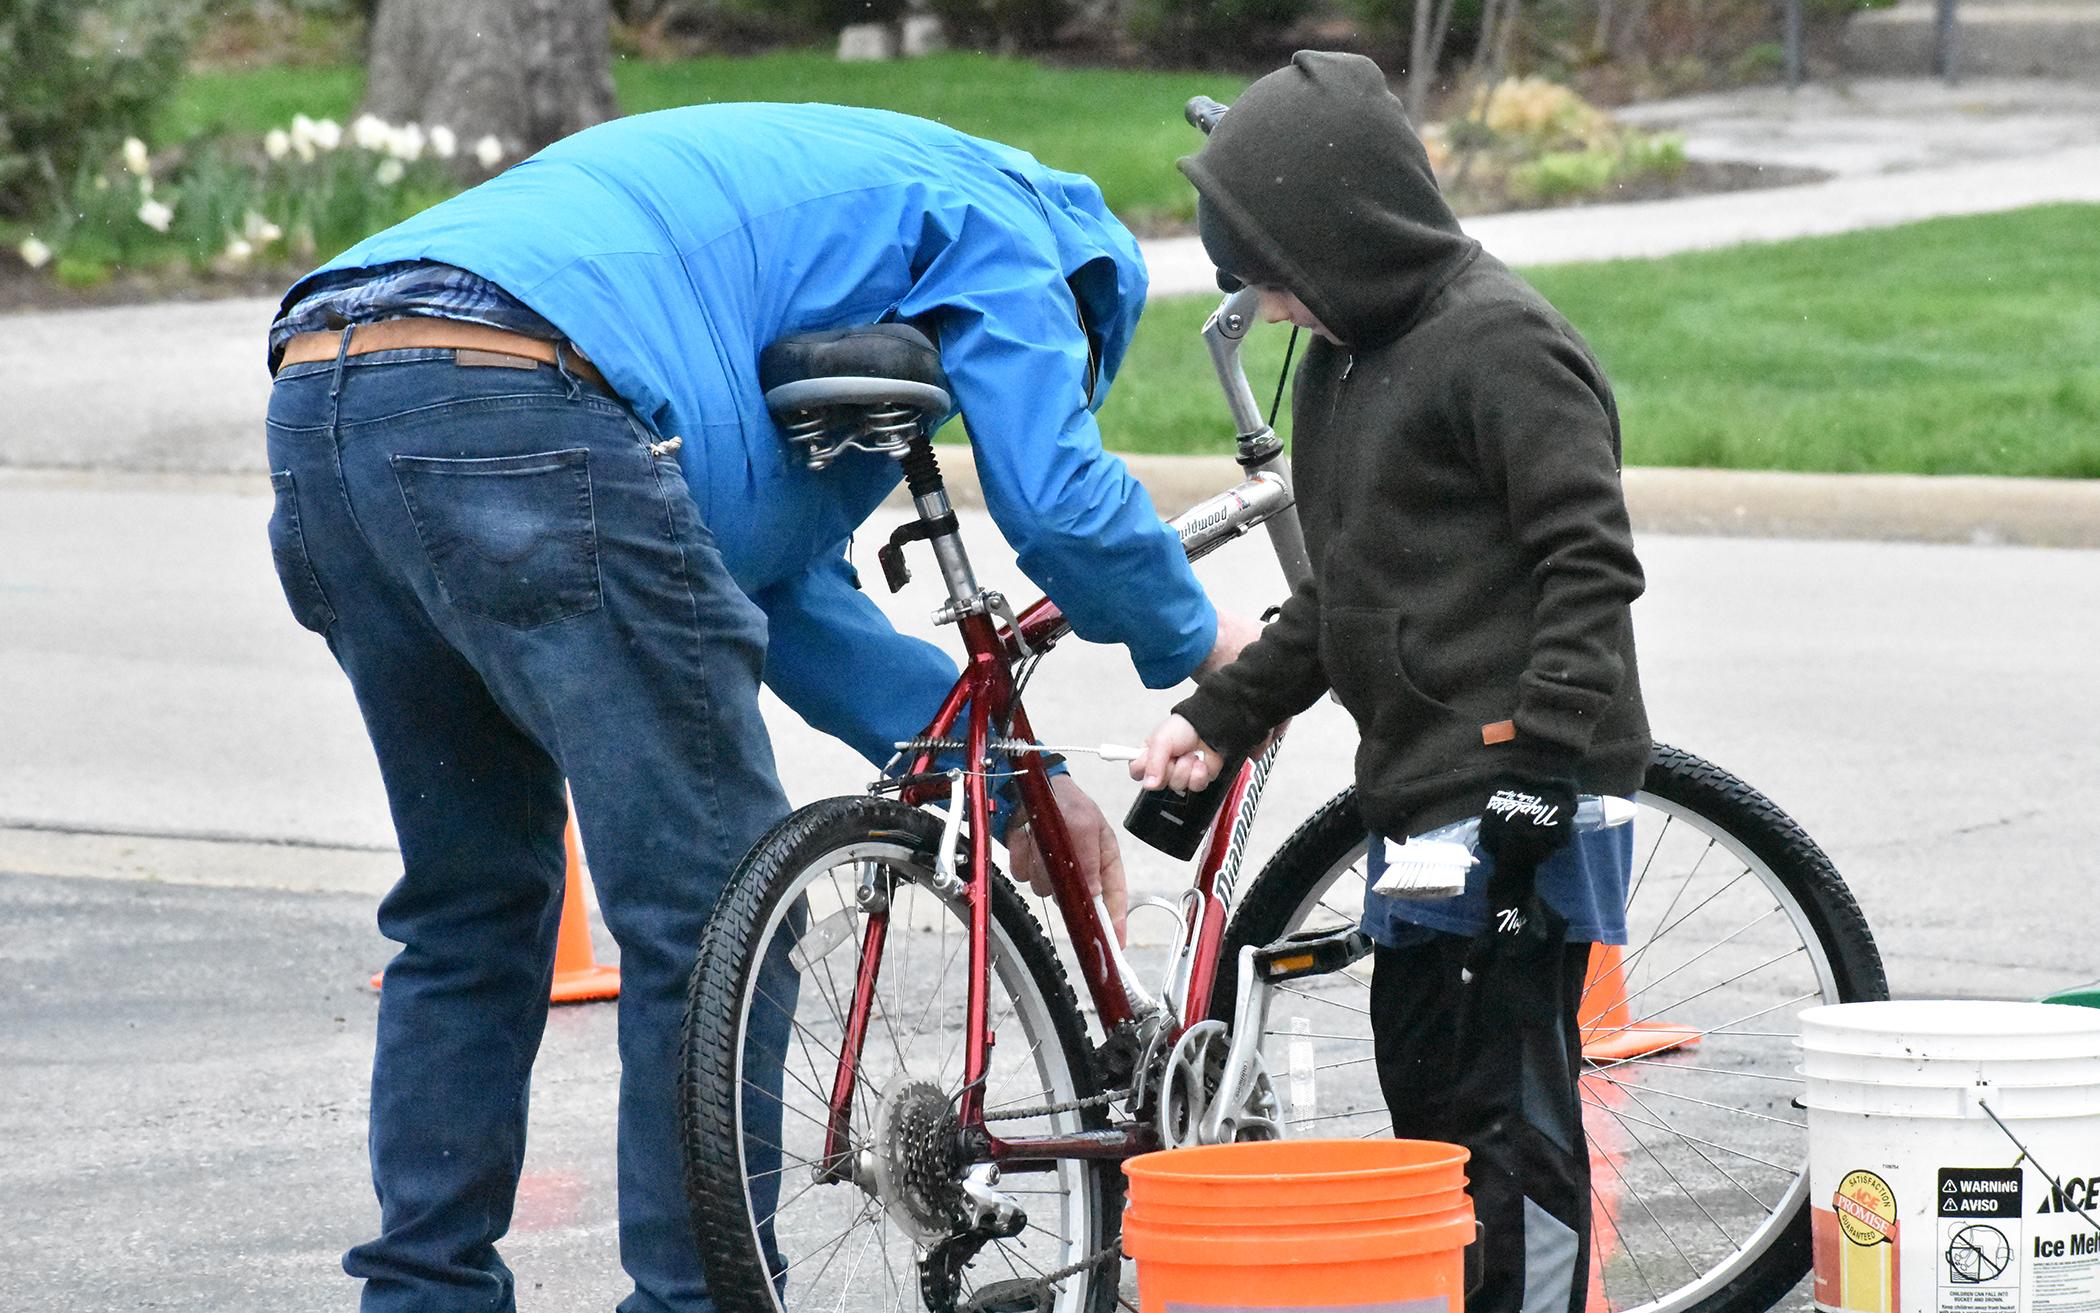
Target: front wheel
column 782, row 1222
column 1698, row 1144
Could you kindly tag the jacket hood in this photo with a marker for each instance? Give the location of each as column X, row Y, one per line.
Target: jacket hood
column 1325, row 185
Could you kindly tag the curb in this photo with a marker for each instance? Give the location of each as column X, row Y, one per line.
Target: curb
column 1965, row 509
column 1747, row 503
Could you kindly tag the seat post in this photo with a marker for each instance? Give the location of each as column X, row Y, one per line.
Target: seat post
column 929, row 497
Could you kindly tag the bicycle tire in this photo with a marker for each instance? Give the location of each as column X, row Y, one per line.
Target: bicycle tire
column 749, row 916
column 1295, row 886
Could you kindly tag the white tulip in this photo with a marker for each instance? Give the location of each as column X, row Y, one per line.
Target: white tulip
column 156, row 215
column 489, row 151
column 301, row 138
column 238, row 251
column 390, row 171
column 443, row 142
column 406, row 142
column 34, row 253
column 328, row 134
column 277, row 143
column 135, row 157
column 259, row 230
column 371, row 132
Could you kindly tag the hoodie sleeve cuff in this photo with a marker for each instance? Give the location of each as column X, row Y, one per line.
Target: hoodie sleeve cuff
column 1222, row 723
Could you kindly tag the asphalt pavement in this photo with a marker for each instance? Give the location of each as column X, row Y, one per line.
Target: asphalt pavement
column 194, row 839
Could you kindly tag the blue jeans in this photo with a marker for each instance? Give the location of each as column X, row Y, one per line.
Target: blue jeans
column 520, row 593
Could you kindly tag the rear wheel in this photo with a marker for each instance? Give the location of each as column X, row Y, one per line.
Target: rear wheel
column 1698, row 1145
column 782, row 1225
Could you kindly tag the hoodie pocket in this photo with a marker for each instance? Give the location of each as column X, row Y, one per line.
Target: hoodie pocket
column 1360, row 650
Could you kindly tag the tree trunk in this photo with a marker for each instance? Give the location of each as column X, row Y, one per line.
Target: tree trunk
column 527, row 72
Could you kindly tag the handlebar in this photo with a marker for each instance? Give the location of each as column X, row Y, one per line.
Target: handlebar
column 1202, row 112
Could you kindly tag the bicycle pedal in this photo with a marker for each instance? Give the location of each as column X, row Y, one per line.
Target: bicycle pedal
column 1317, row 954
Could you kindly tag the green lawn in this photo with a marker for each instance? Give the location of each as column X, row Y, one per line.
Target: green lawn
column 1122, row 128
column 1958, row 346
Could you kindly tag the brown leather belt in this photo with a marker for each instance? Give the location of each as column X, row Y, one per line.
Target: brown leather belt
column 470, row 340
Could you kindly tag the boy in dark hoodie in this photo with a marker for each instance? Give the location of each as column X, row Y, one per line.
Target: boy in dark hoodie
column 1456, row 455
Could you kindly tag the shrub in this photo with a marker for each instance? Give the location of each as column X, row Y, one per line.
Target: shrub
column 1196, row 30
column 75, row 77
column 1006, row 25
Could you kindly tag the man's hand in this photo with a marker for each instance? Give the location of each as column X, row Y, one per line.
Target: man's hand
column 1176, row 757
column 1235, row 632
column 1093, row 846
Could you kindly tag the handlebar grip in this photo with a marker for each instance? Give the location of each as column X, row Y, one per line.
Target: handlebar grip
column 1203, row 112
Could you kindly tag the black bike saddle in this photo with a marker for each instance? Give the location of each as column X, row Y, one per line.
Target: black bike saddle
column 866, row 364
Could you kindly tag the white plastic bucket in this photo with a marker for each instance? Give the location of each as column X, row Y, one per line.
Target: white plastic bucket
column 1920, row 1201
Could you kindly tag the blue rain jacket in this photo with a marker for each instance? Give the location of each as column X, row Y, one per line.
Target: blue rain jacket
column 672, row 247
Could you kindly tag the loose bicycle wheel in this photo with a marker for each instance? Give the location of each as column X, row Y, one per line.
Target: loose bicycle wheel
column 781, row 1223
column 1698, row 1145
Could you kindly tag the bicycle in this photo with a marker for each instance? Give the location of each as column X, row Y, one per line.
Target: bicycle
column 865, row 1130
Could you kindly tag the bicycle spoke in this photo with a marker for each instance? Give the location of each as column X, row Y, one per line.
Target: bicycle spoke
column 1315, row 998
column 1715, row 946
column 1603, row 1210
column 1701, row 1153
column 1611, row 1162
column 1682, row 1189
column 1623, row 1119
column 1704, row 1103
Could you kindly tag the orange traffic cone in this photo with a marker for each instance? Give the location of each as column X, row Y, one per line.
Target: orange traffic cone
column 1609, row 1031
column 578, row 977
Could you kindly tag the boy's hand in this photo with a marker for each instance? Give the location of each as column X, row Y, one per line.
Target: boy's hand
column 1176, row 757
column 1527, row 819
column 1093, row 846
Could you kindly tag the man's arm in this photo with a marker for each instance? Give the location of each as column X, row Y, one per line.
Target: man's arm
column 838, row 662
column 1538, row 414
column 1082, row 528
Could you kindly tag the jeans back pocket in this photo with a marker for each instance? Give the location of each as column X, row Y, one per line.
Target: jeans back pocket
column 512, row 539
column 295, row 570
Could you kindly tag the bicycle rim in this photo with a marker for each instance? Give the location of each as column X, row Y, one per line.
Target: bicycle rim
column 857, row 1244
column 1698, row 1147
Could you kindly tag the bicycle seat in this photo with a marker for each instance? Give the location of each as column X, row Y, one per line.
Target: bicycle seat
column 864, row 365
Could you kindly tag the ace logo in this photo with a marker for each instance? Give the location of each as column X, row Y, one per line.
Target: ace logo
column 2073, row 1194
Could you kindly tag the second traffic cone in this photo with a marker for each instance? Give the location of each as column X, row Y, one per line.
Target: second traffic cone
column 578, row 976
column 1609, row 1031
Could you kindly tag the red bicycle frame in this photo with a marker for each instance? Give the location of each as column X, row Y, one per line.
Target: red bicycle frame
column 984, row 697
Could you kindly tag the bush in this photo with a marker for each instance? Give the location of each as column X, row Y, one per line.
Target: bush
column 76, row 76
column 1196, row 30
column 1004, row 25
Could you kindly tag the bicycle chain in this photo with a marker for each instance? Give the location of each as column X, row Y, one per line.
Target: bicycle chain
column 1101, row 1100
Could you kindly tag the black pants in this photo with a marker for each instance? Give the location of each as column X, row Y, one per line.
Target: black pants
column 1494, row 1065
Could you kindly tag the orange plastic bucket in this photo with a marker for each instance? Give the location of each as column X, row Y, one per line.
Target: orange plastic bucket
column 1300, row 1224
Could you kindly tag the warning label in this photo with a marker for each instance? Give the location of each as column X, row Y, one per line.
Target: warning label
column 1980, row 1192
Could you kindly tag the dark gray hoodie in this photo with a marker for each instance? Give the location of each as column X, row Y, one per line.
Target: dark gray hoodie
column 1457, row 468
